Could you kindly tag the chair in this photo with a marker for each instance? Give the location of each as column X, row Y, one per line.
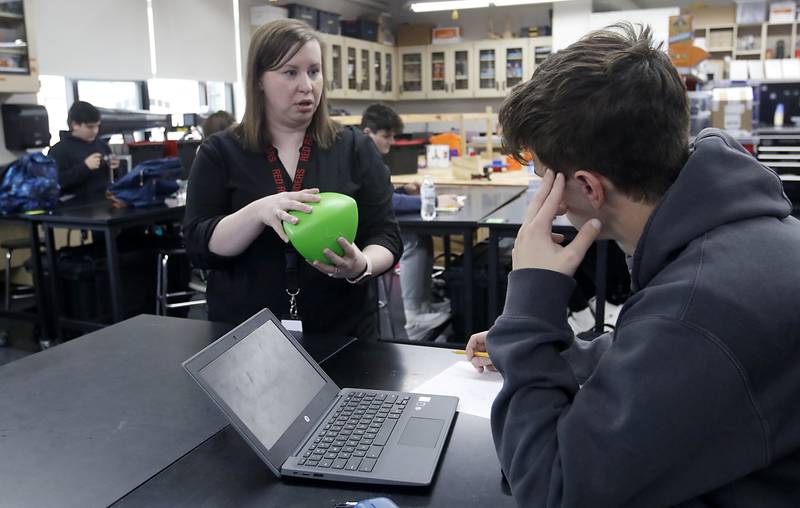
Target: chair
column 10, row 246
column 165, row 299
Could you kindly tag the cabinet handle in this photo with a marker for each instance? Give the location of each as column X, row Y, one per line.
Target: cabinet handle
column 504, row 85
column 497, row 85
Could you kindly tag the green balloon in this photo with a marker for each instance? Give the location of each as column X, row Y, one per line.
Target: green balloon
column 334, row 216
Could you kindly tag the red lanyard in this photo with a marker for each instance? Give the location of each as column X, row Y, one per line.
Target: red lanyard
column 292, row 280
column 300, row 174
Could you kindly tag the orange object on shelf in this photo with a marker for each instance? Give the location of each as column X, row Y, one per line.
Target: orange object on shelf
column 448, row 138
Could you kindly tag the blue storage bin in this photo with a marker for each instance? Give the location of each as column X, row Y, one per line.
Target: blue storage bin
column 304, row 13
column 328, row 22
column 360, row 29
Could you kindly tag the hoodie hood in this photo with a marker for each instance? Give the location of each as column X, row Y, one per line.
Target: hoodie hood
column 721, row 183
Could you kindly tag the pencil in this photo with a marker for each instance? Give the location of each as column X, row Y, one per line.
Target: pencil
column 477, row 353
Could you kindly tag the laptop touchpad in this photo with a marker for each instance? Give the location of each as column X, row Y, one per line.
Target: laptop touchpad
column 423, row 432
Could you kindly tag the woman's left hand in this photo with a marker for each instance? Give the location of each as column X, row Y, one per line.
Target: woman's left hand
column 349, row 266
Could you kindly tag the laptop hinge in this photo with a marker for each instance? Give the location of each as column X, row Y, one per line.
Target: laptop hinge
column 322, row 420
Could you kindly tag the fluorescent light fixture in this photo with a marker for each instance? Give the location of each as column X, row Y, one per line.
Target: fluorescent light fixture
column 505, row 3
column 448, row 6
column 471, row 4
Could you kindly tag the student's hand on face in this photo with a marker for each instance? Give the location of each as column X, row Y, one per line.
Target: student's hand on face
column 93, row 161
column 478, row 343
column 535, row 246
column 411, row 188
column 274, row 209
column 349, row 266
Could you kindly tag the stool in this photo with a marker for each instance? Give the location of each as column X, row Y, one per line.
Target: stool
column 10, row 246
column 163, row 295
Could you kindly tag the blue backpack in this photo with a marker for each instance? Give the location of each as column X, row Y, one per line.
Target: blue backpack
column 147, row 184
column 30, row 183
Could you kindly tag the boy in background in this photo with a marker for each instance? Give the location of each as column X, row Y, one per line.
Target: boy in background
column 381, row 123
column 83, row 160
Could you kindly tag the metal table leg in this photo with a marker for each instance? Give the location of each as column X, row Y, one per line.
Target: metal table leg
column 112, row 257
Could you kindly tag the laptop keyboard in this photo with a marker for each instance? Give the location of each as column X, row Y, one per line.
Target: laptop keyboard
column 353, row 437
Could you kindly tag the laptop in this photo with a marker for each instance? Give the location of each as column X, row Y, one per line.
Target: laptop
column 301, row 424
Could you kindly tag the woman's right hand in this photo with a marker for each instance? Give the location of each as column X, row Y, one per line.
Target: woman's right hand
column 274, row 209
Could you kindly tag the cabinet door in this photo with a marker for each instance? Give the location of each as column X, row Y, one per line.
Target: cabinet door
column 461, row 83
column 334, row 66
column 364, row 66
column 487, row 69
column 539, row 49
column 18, row 67
column 439, row 72
column 516, row 66
column 383, row 72
column 390, row 73
column 413, row 72
column 351, row 70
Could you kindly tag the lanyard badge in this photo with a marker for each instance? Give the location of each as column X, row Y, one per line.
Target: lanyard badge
column 293, row 321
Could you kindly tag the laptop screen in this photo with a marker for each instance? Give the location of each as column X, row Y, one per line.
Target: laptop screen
column 265, row 381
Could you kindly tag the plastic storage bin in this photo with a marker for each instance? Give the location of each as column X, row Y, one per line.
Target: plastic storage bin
column 360, row 29
column 328, row 22
column 304, row 13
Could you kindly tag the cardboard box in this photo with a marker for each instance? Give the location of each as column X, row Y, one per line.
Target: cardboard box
column 414, row 34
column 713, row 16
column 722, row 38
column 782, row 12
column 732, row 109
column 446, row 35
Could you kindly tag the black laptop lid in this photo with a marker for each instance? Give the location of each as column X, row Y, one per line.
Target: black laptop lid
column 273, row 392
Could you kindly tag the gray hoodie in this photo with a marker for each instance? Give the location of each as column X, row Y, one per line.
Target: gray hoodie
column 696, row 400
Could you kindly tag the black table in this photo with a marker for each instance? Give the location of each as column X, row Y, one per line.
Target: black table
column 86, row 422
column 224, row 471
column 505, row 223
column 98, row 215
column 481, row 201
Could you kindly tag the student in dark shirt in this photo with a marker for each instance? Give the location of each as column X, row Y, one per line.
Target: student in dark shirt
column 284, row 152
column 83, row 160
column 216, row 122
column 381, row 123
column 692, row 400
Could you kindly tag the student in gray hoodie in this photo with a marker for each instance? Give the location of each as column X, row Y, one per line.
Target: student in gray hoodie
column 694, row 399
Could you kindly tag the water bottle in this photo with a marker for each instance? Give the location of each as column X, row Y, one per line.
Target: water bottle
column 427, row 194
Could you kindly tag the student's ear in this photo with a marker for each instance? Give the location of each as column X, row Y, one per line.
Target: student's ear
column 592, row 186
column 367, row 131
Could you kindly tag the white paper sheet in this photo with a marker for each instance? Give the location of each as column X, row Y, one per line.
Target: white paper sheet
column 475, row 391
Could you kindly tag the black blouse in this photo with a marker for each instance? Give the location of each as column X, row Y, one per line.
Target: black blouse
column 225, row 177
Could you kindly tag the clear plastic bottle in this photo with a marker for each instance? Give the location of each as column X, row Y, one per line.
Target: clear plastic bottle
column 427, row 194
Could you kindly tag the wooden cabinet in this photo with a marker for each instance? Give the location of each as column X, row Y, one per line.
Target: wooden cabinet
column 19, row 72
column 334, row 70
column 356, row 69
column 413, row 72
column 499, row 65
column 449, row 75
column 383, row 72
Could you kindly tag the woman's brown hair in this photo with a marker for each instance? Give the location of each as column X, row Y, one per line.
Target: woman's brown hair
column 271, row 45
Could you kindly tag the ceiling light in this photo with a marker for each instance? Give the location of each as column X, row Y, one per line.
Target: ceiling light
column 505, row 3
column 472, row 4
column 448, row 6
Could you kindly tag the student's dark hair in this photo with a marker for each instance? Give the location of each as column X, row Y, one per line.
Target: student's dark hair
column 612, row 103
column 218, row 121
column 271, row 45
column 82, row 112
column 381, row 117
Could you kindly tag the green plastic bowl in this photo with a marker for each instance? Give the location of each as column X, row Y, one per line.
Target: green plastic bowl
column 334, row 216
